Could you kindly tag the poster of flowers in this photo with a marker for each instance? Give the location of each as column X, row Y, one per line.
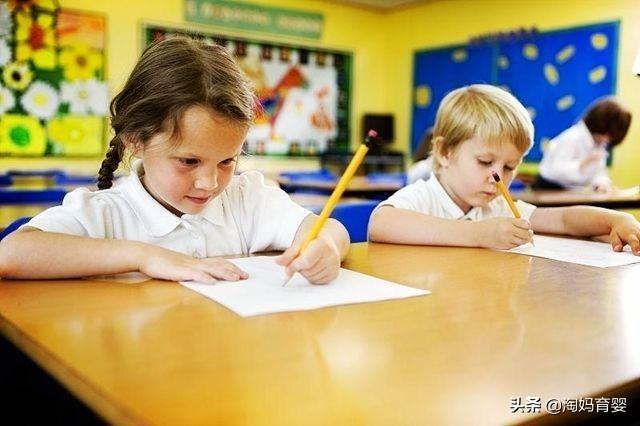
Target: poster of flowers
column 53, row 96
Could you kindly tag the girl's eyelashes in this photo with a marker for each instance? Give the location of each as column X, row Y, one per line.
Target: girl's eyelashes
column 485, row 162
column 228, row 161
column 188, row 161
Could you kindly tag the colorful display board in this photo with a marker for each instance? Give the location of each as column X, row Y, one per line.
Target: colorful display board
column 304, row 93
column 53, row 97
column 555, row 74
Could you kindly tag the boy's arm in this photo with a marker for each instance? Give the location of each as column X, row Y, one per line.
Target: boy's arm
column 395, row 225
column 578, row 221
column 619, row 228
column 32, row 254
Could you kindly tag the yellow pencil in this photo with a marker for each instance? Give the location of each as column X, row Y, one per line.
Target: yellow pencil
column 505, row 193
column 337, row 192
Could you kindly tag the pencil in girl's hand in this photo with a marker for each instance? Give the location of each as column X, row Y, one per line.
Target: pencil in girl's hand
column 505, row 193
column 337, row 192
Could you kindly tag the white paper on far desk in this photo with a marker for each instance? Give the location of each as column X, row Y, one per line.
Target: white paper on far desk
column 582, row 252
column 262, row 292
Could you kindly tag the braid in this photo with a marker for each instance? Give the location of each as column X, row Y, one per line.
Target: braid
column 110, row 163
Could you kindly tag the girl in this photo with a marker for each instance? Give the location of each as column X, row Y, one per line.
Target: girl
column 184, row 113
column 578, row 156
column 480, row 129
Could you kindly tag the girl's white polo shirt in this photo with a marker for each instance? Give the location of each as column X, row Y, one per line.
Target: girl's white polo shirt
column 429, row 197
column 247, row 217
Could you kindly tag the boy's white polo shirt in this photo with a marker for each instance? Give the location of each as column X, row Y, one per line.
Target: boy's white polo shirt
column 429, row 197
column 247, row 217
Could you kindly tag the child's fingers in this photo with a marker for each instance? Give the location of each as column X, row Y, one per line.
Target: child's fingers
column 634, row 243
column 616, row 242
column 522, row 223
column 287, row 257
column 305, row 261
column 201, row 276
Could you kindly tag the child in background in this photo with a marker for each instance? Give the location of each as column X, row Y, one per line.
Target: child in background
column 184, row 113
column 578, row 156
column 422, row 161
column 480, row 129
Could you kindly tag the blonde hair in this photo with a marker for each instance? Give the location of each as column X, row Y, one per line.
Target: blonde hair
column 484, row 111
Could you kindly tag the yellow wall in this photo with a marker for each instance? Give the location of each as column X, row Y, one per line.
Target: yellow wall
column 346, row 28
column 441, row 23
column 383, row 46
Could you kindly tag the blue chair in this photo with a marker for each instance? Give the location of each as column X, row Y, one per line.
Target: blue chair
column 355, row 217
column 380, row 177
column 32, row 196
column 13, row 226
column 63, row 178
column 6, row 180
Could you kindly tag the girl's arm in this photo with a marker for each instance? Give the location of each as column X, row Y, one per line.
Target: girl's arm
column 586, row 221
column 400, row 226
column 33, row 254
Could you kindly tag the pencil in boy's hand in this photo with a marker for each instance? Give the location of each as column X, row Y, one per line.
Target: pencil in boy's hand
column 337, row 192
column 505, row 193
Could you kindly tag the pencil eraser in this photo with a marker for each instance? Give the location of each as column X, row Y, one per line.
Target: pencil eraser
column 372, row 133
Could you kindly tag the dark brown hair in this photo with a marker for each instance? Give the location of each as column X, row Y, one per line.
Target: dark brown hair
column 607, row 116
column 171, row 76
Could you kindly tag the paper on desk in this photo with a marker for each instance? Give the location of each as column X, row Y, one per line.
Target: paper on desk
column 263, row 293
column 582, row 252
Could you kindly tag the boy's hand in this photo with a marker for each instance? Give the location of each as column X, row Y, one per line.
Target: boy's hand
column 504, row 233
column 625, row 229
column 158, row 262
column 319, row 263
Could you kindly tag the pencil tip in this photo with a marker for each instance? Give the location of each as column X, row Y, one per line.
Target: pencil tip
column 496, row 176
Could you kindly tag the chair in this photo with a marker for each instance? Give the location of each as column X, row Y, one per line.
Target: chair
column 13, row 226
column 355, row 217
column 32, row 196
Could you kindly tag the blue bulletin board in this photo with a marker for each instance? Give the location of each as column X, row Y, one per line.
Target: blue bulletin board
column 555, row 74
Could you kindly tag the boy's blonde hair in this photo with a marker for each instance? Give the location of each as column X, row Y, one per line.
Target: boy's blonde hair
column 482, row 110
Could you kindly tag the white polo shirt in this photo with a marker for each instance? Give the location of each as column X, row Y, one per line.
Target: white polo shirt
column 429, row 197
column 247, row 217
column 561, row 160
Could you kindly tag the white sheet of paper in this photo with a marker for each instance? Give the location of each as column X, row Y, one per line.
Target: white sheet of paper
column 582, row 252
column 262, row 292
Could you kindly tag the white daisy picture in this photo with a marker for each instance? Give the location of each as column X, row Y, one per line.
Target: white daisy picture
column 84, row 97
column 41, row 100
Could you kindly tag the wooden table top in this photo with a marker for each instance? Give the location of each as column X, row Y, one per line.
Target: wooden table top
column 497, row 326
column 618, row 199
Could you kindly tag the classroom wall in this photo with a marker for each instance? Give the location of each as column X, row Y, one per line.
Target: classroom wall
column 383, row 44
column 446, row 22
column 346, row 28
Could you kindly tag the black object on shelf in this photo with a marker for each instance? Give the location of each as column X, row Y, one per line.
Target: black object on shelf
column 377, row 159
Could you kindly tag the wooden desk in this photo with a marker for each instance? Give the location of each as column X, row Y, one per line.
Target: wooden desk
column 359, row 186
column 497, row 326
column 626, row 199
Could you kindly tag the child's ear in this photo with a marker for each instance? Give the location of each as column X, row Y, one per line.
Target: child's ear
column 132, row 145
column 440, row 151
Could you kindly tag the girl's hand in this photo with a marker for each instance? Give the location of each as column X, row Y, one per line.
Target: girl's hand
column 503, row 233
column 161, row 263
column 319, row 263
column 625, row 229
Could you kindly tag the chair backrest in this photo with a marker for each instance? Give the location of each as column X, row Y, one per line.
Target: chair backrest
column 355, row 217
column 13, row 226
column 32, row 196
